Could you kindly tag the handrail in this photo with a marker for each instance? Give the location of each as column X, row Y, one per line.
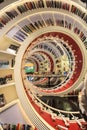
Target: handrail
column 44, row 105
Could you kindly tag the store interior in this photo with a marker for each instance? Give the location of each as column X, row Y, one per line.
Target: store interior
column 43, row 66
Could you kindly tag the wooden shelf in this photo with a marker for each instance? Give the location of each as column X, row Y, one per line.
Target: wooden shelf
column 10, row 68
column 9, row 105
column 6, row 85
column 7, row 53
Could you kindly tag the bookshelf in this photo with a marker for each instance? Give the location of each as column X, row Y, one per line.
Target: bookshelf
column 9, row 92
column 2, row 52
column 6, row 85
column 9, row 105
column 7, row 59
column 17, row 34
column 22, row 7
column 31, row 24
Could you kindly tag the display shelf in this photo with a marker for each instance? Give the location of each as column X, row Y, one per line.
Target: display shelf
column 6, row 53
column 9, row 105
column 37, row 21
column 9, row 68
column 43, row 20
column 13, row 114
column 7, row 75
column 27, row 26
column 17, row 34
column 20, row 8
column 6, row 85
column 6, row 64
column 9, row 92
column 69, row 22
column 12, row 40
column 7, row 59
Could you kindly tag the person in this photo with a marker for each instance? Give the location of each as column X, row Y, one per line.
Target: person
column 82, row 98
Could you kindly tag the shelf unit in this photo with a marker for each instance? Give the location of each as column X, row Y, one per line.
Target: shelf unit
column 7, row 88
column 6, row 85
column 40, row 21
column 21, row 118
column 9, row 92
column 9, row 105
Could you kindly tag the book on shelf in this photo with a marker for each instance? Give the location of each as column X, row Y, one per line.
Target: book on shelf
column 15, row 37
column 1, row 25
column 12, row 63
column 41, row 23
column 20, row 34
column 85, row 43
column 32, row 27
column 13, row 48
column 40, row 4
column 18, row 126
column 27, row 29
column 30, row 5
column 2, row 100
column 4, row 19
column 6, row 79
column 23, row 8
column 4, row 64
column 7, row 64
column 33, row 5
column 12, row 13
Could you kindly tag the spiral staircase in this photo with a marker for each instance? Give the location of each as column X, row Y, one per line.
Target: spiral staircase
column 51, row 37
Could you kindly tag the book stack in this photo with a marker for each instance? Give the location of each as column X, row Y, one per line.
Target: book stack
column 16, row 126
column 13, row 49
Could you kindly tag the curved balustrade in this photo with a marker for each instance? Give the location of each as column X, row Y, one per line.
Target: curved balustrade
column 70, row 80
column 11, row 14
column 20, row 36
column 67, row 114
column 57, row 114
column 22, row 7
